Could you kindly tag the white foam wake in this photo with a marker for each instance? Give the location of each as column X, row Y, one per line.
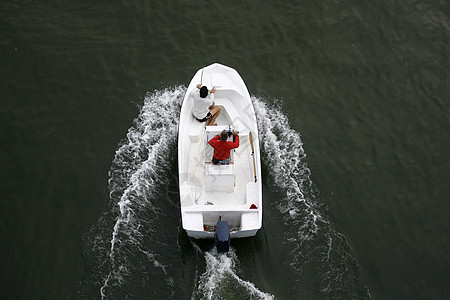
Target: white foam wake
column 311, row 242
column 221, row 281
column 140, row 170
column 138, row 167
column 284, row 155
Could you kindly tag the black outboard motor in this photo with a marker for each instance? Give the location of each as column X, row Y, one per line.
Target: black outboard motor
column 222, row 236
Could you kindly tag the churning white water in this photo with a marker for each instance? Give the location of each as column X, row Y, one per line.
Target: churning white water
column 140, row 167
column 220, row 277
column 144, row 241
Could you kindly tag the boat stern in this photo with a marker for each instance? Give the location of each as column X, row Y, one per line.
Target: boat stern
column 202, row 224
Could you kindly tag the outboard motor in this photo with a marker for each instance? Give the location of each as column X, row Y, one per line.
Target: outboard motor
column 222, row 236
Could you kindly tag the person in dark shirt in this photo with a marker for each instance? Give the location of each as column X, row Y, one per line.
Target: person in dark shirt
column 222, row 147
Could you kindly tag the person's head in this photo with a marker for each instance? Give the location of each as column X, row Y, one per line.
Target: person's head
column 223, row 136
column 203, row 92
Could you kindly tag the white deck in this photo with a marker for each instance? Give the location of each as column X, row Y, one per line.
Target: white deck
column 208, row 192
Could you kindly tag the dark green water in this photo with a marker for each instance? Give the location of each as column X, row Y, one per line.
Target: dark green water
column 353, row 209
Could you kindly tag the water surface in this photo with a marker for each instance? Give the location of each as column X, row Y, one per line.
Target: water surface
column 352, row 107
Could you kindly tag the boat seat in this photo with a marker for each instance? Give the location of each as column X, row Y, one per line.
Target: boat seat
column 195, row 130
column 219, row 178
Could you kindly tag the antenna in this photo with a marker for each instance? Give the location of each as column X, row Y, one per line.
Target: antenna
column 201, row 79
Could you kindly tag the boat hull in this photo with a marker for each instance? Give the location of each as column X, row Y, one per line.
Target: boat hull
column 208, row 192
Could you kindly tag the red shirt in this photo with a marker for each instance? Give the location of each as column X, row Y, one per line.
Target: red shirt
column 222, row 149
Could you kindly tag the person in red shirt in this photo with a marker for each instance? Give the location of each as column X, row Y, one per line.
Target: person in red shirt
column 222, row 147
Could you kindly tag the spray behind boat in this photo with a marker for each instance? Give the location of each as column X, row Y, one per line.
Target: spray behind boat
column 222, row 236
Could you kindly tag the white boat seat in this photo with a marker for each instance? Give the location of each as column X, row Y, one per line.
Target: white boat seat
column 195, row 131
column 219, row 178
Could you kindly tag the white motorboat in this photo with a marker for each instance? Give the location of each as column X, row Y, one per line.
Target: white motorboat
column 220, row 200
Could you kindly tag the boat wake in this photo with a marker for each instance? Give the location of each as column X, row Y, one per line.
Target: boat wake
column 311, row 244
column 130, row 247
column 139, row 170
column 220, row 279
column 132, row 251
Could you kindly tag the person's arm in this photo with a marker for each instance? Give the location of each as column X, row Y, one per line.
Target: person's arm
column 211, row 142
column 236, row 141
